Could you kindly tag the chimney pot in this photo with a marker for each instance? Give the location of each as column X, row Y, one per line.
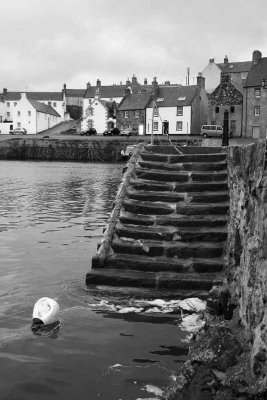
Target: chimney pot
column 225, row 61
column 145, row 81
column 5, row 90
column 212, row 60
column 88, row 85
column 98, row 82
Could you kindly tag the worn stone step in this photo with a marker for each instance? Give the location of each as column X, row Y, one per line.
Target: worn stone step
column 142, row 263
column 185, row 166
column 143, row 207
column 174, row 220
column 158, row 248
column 176, row 158
column 182, row 176
column 158, row 280
column 188, row 187
column 167, row 149
column 174, row 197
column 131, row 292
column 203, row 209
column 169, row 233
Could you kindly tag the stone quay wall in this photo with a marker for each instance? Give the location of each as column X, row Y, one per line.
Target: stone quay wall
column 246, row 270
column 62, row 149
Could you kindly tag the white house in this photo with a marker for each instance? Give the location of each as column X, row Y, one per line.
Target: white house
column 99, row 114
column 178, row 109
column 31, row 115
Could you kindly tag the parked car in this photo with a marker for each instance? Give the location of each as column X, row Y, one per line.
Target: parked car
column 89, row 132
column 111, row 132
column 213, row 131
column 18, row 131
column 128, row 132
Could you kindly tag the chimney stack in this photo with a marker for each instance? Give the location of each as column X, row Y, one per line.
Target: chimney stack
column 88, row 85
column 154, row 86
column 134, row 79
column 128, row 82
column 225, row 61
column 145, row 81
column 5, row 91
column 201, row 80
column 211, row 61
column 98, row 83
column 256, row 56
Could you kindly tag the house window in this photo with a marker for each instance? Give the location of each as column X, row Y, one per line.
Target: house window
column 257, row 111
column 257, row 93
column 8, row 114
column 179, row 125
column 217, row 109
column 19, row 124
column 180, row 111
column 126, row 114
column 136, row 114
column 232, row 109
column 15, row 103
column 29, row 113
column 18, row 113
column 54, row 104
column 155, row 126
column 8, row 104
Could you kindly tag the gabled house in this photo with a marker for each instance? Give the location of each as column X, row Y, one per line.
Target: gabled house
column 177, row 109
column 30, row 114
column 226, row 97
column 100, row 114
column 255, row 99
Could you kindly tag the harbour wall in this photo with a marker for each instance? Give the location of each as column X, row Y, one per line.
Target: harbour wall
column 62, row 149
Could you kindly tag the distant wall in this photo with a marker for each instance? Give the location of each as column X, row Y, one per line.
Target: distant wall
column 62, row 150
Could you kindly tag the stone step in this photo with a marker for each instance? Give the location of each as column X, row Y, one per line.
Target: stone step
column 188, row 187
column 182, row 176
column 174, row 197
column 158, row 208
column 186, row 166
column 154, row 280
column 142, row 263
column 158, row 248
column 131, row 292
column 203, row 209
column 174, row 220
column 167, row 149
column 173, row 234
column 176, row 158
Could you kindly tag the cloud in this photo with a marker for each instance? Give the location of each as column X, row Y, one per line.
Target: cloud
column 48, row 43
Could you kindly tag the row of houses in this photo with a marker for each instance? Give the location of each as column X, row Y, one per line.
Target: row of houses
column 238, row 88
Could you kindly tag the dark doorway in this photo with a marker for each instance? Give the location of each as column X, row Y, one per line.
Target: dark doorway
column 165, row 127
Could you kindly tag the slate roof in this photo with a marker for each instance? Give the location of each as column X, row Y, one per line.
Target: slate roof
column 106, row 91
column 43, row 108
column 75, row 92
column 137, row 101
column 41, row 96
column 231, row 67
column 170, row 96
column 257, row 73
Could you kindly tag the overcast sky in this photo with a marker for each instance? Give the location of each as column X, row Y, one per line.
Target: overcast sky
column 47, row 43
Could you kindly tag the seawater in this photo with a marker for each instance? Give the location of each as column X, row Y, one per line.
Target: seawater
column 52, row 216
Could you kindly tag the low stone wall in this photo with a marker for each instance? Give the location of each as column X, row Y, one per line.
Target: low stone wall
column 62, row 149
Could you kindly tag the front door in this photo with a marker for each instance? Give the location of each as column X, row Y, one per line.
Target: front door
column 165, row 127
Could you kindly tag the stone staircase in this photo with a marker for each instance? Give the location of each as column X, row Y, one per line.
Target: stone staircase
column 168, row 229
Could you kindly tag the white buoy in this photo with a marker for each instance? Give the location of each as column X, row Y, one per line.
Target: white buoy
column 45, row 312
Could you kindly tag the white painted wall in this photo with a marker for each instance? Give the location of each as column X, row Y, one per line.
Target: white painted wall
column 169, row 114
column 99, row 117
column 212, row 75
column 59, row 106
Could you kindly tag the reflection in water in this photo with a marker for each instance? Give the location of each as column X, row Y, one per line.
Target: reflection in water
column 51, row 218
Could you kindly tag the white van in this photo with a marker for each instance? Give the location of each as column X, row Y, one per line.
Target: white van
column 211, row 130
